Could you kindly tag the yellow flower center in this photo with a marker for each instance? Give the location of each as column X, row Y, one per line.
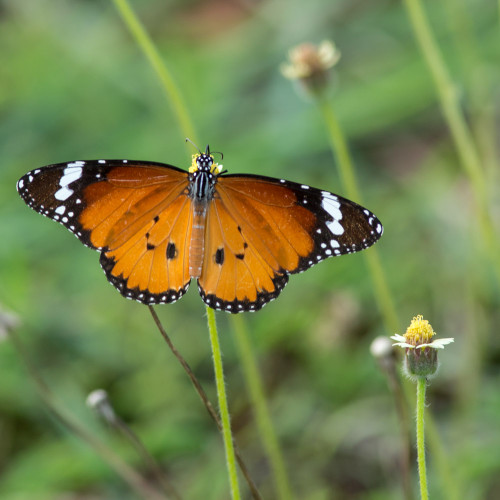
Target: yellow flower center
column 419, row 332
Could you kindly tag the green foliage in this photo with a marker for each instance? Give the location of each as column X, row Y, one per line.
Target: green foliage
column 74, row 85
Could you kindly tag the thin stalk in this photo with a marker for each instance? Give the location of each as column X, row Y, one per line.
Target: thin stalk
column 348, row 178
column 388, row 366
column 478, row 82
column 174, row 97
column 143, row 452
column 462, row 137
column 422, row 472
column 223, row 407
column 451, row 484
column 204, row 398
column 264, row 422
column 138, row 483
column 173, row 94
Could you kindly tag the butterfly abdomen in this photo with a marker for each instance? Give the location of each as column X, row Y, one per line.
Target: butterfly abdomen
column 197, row 243
column 201, row 190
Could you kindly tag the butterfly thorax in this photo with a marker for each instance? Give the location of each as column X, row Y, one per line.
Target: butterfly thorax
column 202, row 179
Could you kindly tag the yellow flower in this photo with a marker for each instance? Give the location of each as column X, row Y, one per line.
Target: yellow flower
column 419, row 334
column 421, row 355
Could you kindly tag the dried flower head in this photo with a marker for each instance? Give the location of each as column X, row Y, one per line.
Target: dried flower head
column 8, row 322
column 421, row 355
column 99, row 401
column 310, row 63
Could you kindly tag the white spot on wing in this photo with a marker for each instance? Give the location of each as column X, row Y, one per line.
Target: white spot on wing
column 335, row 227
column 70, row 175
column 331, row 205
column 60, row 210
column 63, row 194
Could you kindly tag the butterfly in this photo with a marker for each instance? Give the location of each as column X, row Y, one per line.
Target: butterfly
column 158, row 226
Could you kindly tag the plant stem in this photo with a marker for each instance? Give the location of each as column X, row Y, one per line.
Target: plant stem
column 388, row 366
column 149, row 49
column 422, row 473
column 174, row 96
column 348, row 178
column 204, row 398
column 460, row 132
column 264, row 422
column 223, row 407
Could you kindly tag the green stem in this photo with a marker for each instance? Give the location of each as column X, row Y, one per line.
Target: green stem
column 174, row 96
column 223, row 407
column 462, row 137
column 340, row 149
column 422, row 473
column 204, row 398
column 149, row 49
column 348, row 178
column 264, row 422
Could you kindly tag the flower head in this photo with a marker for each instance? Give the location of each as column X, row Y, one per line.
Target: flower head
column 310, row 63
column 8, row 322
column 99, row 401
column 421, row 355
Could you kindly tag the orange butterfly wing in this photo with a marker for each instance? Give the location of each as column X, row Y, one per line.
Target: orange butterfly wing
column 260, row 230
column 136, row 213
column 139, row 215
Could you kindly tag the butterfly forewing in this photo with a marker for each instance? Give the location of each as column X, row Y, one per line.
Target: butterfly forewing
column 313, row 224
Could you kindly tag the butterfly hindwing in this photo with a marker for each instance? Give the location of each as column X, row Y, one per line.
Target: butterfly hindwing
column 239, row 272
column 268, row 228
column 151, row 265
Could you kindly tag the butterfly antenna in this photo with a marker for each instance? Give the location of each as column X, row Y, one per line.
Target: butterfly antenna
column 193, row 144
column 217, row 153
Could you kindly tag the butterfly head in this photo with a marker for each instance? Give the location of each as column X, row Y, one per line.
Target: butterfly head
column 204, row 162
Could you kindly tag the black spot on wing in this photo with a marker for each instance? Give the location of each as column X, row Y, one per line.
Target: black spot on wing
column 171, row 251
column 219, row 256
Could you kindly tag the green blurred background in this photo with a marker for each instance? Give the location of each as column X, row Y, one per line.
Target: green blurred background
column 75, row 85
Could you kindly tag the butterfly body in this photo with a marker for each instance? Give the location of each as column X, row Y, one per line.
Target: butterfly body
column 158, row 226
column 201, row 191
